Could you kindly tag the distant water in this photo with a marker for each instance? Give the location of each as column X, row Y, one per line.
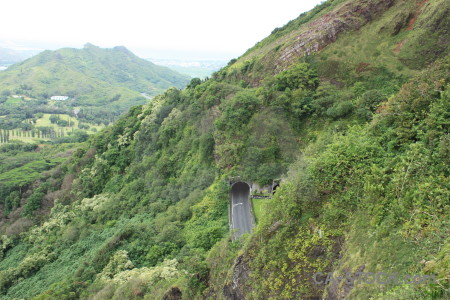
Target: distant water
column 3, row 68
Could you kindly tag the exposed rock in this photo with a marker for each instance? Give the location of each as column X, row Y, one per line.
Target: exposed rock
column 336, row 292
column 362, row 67
column 235, row 289
column 274, row 227
column 173, row 294
column 400, row 22
column 326, row 29
column 399, row 46
column 413, row 18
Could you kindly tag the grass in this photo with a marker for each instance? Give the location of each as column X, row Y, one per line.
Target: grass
column 13, row 101
column 45, row 121
column 368, row 45
column 259, row 208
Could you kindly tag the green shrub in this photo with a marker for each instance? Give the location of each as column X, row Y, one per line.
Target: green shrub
column 299, row 76
column 12, row 201
column 340, row 110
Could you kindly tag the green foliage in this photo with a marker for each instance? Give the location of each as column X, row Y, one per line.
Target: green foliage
column 368, row 102
column 12, row 201
column 21, row 176
column 6, row 243
column 355, row 184
column 115, row 68
column 237, row 111
column 299, row 76
column 340, row 110
column 27, row 267
column 54, row 118
column 308, row 253
column 208, row 223
column 34, row 201
column 62, row 123
column 193, row 83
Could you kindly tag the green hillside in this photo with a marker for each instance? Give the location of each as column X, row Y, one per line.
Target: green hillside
column 89, row 75
column 349, row 105
column 100, row 85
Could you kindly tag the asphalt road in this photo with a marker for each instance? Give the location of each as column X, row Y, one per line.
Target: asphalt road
column 241, row 216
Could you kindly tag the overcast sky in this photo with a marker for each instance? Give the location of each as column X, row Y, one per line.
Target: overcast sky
column 162, row 29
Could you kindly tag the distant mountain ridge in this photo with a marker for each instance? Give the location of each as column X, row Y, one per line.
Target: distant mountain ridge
column 92, row 76
column 10, row 56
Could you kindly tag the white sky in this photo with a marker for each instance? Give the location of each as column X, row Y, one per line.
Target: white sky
column 220, row 29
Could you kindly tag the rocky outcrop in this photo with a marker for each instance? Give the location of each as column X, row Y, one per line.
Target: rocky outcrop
column 235, row 289
column 326, row 29
column 173, row 294
column 336, row 292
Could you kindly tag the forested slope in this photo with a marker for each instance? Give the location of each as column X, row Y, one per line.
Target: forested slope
column 357, row 129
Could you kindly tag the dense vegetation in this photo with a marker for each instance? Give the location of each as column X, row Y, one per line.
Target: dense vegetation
column 140, row 210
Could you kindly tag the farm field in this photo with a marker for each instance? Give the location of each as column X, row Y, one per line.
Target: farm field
column 45, row 123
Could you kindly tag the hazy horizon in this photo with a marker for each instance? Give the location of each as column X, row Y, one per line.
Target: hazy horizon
column 194, row 30
column 145, row 53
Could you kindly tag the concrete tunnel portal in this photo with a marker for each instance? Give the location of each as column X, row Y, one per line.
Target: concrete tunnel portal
column 241, row 215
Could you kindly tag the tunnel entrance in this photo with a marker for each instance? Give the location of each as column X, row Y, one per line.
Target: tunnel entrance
column 241, row 215
column 240, row 187
column 274, row 189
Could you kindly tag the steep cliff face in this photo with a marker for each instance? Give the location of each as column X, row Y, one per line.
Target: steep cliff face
column 399, row 24
column 235, row 290
column 326, row 29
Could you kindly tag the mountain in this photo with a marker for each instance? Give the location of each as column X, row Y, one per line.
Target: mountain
column 91, row 76
column 345, row 110
column 97, row 86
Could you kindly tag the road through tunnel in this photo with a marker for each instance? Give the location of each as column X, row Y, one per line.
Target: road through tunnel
column 241, row 215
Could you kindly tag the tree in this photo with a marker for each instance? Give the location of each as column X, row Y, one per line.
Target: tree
column 11, row 202
column 54, row 119
column 62, row 123
column 194, row 82
column 6, row 93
